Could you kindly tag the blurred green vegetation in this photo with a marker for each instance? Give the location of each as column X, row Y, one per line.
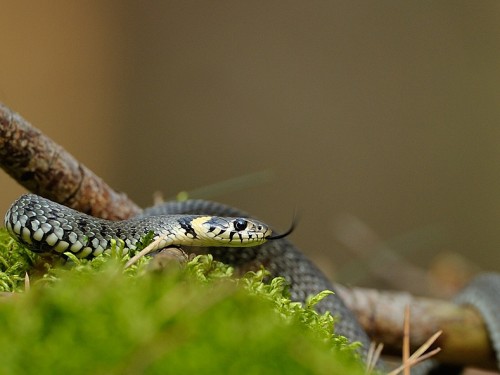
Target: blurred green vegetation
column 94, row 317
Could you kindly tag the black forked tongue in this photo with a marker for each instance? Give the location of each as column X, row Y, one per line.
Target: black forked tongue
column 282, row 235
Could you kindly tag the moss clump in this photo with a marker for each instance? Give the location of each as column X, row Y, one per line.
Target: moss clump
column 96, row 318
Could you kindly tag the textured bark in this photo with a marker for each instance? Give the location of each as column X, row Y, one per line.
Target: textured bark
column 464, row 341
column 45, row 168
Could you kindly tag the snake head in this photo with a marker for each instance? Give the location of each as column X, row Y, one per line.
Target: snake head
column 231, row 231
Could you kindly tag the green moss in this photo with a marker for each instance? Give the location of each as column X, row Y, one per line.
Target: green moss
column 93, row 317
column 15, row 262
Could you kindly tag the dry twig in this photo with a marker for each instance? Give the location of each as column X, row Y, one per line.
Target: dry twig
column 45, row 168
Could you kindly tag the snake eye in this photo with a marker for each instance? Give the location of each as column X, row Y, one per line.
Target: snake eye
column 240, row 224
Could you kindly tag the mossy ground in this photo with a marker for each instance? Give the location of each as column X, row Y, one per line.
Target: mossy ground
column 95, row 318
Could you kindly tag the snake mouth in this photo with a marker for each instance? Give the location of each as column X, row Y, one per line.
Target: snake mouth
column 286, row 233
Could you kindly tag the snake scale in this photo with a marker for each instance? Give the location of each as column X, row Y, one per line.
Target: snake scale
column 229, row 234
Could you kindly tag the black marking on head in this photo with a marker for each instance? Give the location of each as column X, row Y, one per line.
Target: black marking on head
column 185, row 223
column 231, row 235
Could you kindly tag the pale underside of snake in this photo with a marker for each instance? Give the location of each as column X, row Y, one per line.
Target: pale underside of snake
column 229, row 234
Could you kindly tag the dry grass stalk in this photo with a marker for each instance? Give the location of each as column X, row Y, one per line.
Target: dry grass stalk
column 420, row 354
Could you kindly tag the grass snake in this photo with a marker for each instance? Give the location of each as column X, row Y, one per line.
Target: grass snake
column 229, row 234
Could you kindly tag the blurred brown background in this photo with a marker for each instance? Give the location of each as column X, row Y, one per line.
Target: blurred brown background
column 381, row 115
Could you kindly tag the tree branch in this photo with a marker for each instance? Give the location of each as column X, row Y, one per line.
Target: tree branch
column 47, row 169
column 465, row 340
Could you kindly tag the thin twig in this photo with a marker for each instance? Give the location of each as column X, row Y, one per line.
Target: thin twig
column 406, row 339
column 373, row 356
column 419, row 355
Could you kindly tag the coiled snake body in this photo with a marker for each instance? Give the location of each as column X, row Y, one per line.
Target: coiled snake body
column 227, row 233
column 46, row 226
